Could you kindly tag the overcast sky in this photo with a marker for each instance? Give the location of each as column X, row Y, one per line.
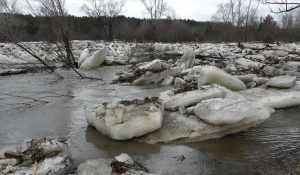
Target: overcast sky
column 199, row 10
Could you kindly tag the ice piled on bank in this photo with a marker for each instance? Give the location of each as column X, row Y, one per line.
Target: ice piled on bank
column 126, row 119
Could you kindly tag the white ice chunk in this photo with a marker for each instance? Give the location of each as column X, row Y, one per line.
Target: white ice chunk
column 13, row 162
column 84, row 54
column 180, row 128
column 276, row 53
column 248, row 63
column 121, row 60
column 274, row 98
column 214, row 75
column 124, row 158
column 259, row 81
column 219, row 111
column 2, row 151
column 246, row 78
column 178, row 83
column 271, row 71
column 114, row 113
column 95, row 60
column 256, row 57
column 172, row 102
column 187, row 60
column 159, row 47
column 168, row 80
column 134, row 118
column 282, row 82
column 157, row 77
column 155, row 65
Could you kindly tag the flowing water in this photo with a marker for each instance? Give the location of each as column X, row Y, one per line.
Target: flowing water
column 39, row 105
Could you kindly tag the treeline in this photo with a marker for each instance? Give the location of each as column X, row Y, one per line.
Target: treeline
column 29, row 28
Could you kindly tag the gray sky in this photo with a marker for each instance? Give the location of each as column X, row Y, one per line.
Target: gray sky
column 200, row 10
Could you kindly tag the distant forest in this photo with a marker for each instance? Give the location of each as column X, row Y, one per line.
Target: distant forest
column 29, row 28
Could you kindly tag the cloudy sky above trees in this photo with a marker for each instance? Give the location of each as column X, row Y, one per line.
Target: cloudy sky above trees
column 200, row 10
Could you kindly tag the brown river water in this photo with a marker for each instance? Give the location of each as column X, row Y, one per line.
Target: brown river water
column 39, row 105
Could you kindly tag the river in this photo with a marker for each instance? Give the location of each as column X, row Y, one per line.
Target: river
column 40, row 105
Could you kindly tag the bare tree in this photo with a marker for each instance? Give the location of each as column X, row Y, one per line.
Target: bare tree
column 223, row 16
column 281, row 5
column 240, row 13
column 250, row 16
column 156, row 9
column 9, row 21
column 106, row 11
column 57, row 27
column 297, row 19
column 288, row 23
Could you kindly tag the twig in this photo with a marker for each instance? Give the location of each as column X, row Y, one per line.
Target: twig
column 221, row 56
column 35, row 168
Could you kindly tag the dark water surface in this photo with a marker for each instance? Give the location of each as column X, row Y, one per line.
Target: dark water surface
column 39, row 105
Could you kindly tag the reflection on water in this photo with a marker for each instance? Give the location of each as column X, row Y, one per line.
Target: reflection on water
column 113, row 147
column 38, row 105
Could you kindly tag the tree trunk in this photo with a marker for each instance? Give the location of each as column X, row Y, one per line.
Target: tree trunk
column 110, row 31
column 153, row 32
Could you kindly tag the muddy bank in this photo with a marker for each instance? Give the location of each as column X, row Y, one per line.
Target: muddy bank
column 37, row 105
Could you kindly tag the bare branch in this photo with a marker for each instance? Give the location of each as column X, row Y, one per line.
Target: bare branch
column 32, row 54
column 282, row 6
